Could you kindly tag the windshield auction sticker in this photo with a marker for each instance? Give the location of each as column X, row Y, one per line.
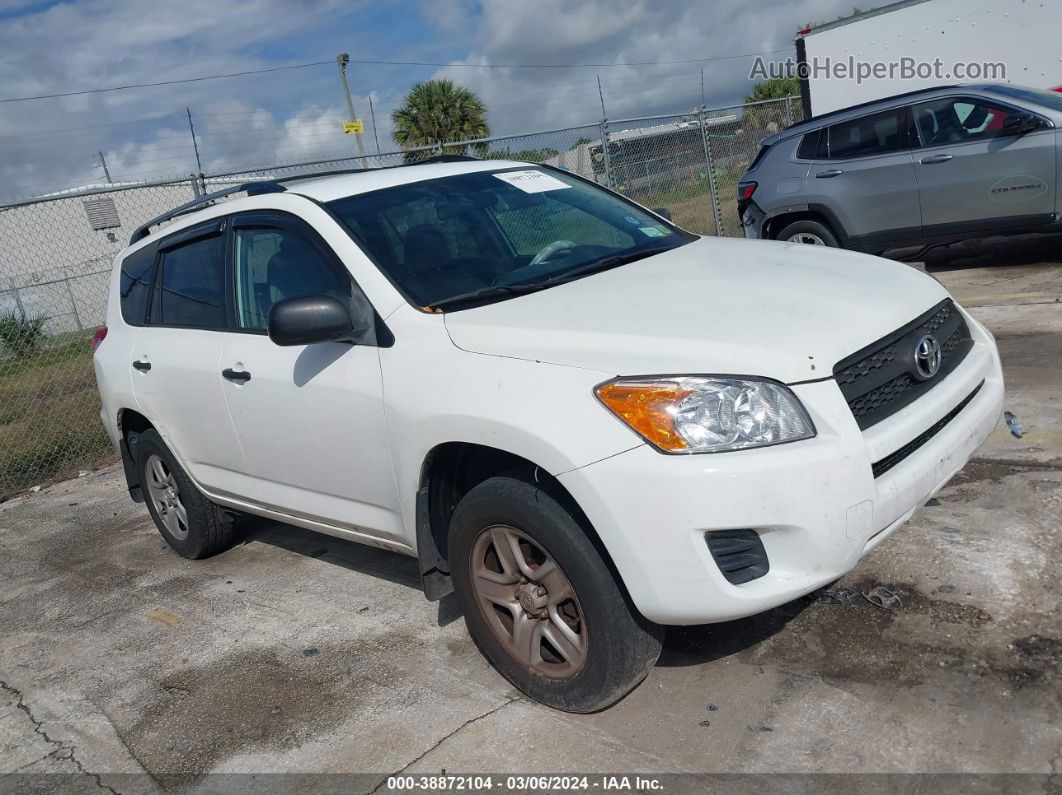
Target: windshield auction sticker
column 532, row 181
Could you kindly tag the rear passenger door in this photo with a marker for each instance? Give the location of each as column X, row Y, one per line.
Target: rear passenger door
column 867, row 179
column 973, row 176
column 309, row 417
column 176, row 356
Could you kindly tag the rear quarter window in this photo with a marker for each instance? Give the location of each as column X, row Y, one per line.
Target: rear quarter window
column 135, row 283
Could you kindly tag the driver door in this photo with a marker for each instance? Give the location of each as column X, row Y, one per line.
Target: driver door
column 308, row 417
column 973, row 176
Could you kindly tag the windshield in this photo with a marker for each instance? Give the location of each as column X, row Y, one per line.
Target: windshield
column 497, row 233
column 1038, row 96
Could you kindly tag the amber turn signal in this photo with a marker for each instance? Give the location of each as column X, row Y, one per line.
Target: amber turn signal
column 647, row 406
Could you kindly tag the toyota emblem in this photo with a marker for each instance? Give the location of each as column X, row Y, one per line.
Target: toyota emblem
column 927, row 357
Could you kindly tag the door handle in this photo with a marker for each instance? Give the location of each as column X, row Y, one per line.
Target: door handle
column 931, row 159
column 142, row 366
column 830, row 172
column 239, row 376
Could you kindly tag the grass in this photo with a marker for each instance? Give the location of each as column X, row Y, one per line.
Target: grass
column 49, row 415
column 690, row 204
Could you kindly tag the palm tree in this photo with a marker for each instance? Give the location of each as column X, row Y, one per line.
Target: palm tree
column 437, row 112
column 778, row 88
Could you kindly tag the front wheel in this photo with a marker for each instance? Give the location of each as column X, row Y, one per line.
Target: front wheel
column 540, row 601
column 811, row 233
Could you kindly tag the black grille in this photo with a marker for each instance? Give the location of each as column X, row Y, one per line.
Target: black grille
column 881, row 379
column 739, row 554
column 895, row 457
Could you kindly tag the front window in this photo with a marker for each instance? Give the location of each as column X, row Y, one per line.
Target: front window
column 958, row 120
column 487, row 235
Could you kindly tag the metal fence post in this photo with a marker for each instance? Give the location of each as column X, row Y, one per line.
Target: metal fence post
column 717, row 213
column 788, row 110
column 18, row 299
column 73, row 303
column 607, row 155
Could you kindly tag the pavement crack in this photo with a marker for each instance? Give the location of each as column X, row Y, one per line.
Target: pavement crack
column 440, row 741
column 65, row 751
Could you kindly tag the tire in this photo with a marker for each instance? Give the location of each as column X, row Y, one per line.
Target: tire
column 608, row 647
column 192, row 525
column 812, row 231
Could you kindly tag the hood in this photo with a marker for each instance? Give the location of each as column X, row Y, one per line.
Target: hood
column 715, row 306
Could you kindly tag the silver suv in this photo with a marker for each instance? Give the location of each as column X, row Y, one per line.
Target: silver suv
column 918, row 170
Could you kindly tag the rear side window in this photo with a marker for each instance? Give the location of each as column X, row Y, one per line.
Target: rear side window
column 135, row 283
column 869, row 135
column 813, row 145
column 190, row 290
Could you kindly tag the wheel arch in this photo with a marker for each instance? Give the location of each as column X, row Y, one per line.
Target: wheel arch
column 449, row 471
column 776, row 223
column 131, row 421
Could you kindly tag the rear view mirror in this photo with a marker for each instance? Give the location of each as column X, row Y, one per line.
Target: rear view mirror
column 1020, row 123
column 309, row 319
column 663, row 212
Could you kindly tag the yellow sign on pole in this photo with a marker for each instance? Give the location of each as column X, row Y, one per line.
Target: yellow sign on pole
column 356, row 126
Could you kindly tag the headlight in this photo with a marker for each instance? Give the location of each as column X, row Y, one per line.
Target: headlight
column 707, row 415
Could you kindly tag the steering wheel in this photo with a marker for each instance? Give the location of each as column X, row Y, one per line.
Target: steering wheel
column 547, row 251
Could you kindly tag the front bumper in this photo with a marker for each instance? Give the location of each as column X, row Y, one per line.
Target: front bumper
column 815, row 504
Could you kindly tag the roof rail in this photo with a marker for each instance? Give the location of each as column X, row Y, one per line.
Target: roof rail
column 251, row 189
column 274, row 186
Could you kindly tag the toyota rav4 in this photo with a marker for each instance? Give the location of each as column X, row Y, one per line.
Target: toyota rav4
column 583, row 420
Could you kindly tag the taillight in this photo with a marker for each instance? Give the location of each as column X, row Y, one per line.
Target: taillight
column 99, row 336
column 745, row 191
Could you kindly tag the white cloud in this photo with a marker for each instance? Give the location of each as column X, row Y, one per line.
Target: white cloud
column 296, row 115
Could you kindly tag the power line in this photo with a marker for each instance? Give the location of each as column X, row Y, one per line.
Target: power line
column 165, row 82
column 567, row 65
column 366, row 62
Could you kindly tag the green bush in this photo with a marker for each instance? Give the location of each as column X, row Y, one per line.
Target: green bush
column 21, row 335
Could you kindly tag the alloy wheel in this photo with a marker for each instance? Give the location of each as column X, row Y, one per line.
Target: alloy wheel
column 166, row 497
column 528, row 602
column 807, row 238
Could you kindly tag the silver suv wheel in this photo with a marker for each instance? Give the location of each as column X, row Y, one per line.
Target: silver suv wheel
column 807, row 239
column 166, row 497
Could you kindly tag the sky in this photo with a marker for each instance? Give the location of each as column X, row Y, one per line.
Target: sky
column 295, row 115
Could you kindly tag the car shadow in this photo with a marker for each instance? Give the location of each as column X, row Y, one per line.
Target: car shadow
column 703, row 643
column 390, row 566
column 364, row 559
column 995, row 252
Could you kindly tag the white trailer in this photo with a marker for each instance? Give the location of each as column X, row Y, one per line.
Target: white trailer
column 1020, row 35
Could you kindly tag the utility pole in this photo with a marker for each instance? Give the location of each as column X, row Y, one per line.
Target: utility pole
column 195, row 146
column 343, row 59
column 106, row 171
column 372, row 116
column 601, row 96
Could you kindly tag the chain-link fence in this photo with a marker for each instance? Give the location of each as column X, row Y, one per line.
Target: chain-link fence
column 56, row 252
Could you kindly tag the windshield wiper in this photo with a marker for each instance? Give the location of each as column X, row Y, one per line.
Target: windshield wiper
column 487, row 292
column 605, row 263
column 602, row 264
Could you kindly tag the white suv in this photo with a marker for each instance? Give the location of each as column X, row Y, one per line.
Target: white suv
column 583, row 420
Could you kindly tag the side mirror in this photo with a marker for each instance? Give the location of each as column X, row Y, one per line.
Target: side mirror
column 663, row 212
column 307, row 319
column 1019, row 124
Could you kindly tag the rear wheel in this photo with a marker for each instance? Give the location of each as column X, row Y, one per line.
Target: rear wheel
column 540, row 601
column 810, row 233
column 192, row 525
